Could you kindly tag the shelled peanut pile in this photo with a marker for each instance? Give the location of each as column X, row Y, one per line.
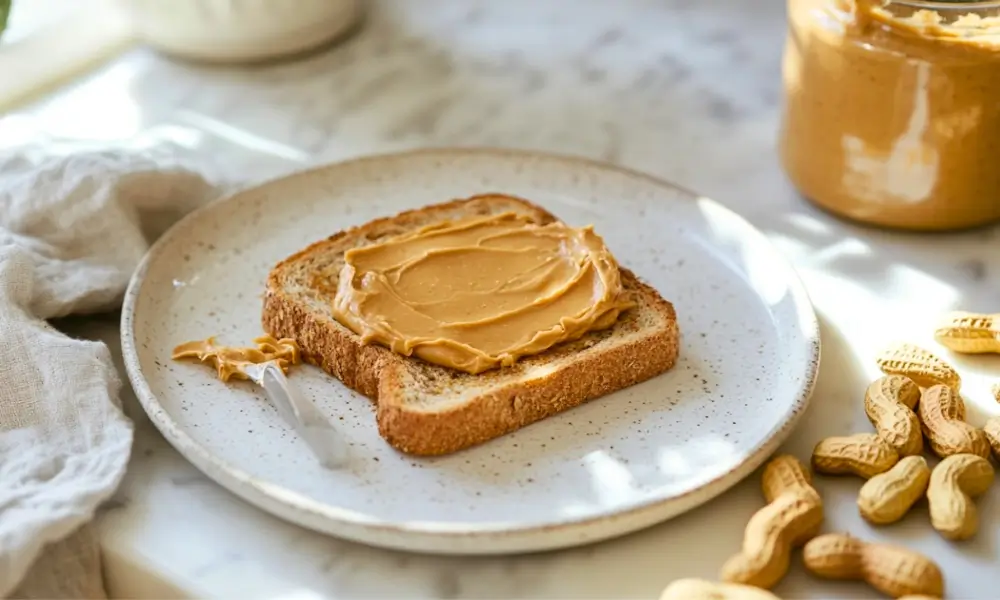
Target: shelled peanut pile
column 916, row 407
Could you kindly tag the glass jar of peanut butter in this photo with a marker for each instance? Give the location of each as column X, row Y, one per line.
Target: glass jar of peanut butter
column 892, row 110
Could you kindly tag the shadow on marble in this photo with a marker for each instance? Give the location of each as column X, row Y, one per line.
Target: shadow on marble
column 966, row 265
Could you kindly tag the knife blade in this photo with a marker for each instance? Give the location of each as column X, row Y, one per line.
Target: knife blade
column 323, row 439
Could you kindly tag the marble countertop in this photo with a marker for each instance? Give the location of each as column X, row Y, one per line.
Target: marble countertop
column 686, row 90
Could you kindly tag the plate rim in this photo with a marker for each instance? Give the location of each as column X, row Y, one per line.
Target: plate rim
column 264, row 495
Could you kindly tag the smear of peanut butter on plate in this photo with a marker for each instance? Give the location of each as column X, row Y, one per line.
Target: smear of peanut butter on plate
column 229, row 360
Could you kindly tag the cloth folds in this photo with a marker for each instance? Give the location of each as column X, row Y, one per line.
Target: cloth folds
column 73, row 227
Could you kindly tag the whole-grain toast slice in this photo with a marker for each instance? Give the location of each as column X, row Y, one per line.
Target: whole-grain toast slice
column 426, row 409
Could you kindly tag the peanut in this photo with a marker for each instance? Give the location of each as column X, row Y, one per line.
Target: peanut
column 995, row 388
column 969, row 333
column 794, row 514
column 886, row 498
column 942, row 419
column 922, row 366
column 889, row 404
column 892, row 570
column 954, row 483
column 992, row 432
column 700, row 589
column 785, row 474
column 861, row 454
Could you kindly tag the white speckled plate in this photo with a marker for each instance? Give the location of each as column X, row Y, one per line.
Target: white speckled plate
column 749, row 355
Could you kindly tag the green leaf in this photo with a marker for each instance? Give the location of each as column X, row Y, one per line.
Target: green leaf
column 4, row 11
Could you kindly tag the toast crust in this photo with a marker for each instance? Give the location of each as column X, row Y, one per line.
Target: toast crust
column 516, row 396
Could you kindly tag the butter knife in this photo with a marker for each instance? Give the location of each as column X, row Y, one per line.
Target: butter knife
column 311, row 425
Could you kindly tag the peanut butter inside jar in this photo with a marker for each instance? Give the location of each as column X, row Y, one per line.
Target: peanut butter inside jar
column 892, row 110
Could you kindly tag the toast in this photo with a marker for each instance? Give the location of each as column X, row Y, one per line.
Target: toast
column 426, row 409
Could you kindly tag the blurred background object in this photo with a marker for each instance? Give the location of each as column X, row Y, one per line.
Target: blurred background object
column 240, row 30
column 47, row 43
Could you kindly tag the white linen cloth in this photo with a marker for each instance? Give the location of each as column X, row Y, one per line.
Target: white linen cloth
column 73, row 226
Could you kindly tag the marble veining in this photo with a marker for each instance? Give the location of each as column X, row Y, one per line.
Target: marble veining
column 685, row 90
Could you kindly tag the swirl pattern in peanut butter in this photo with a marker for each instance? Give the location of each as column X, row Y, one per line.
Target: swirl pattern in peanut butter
column 480, row 293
